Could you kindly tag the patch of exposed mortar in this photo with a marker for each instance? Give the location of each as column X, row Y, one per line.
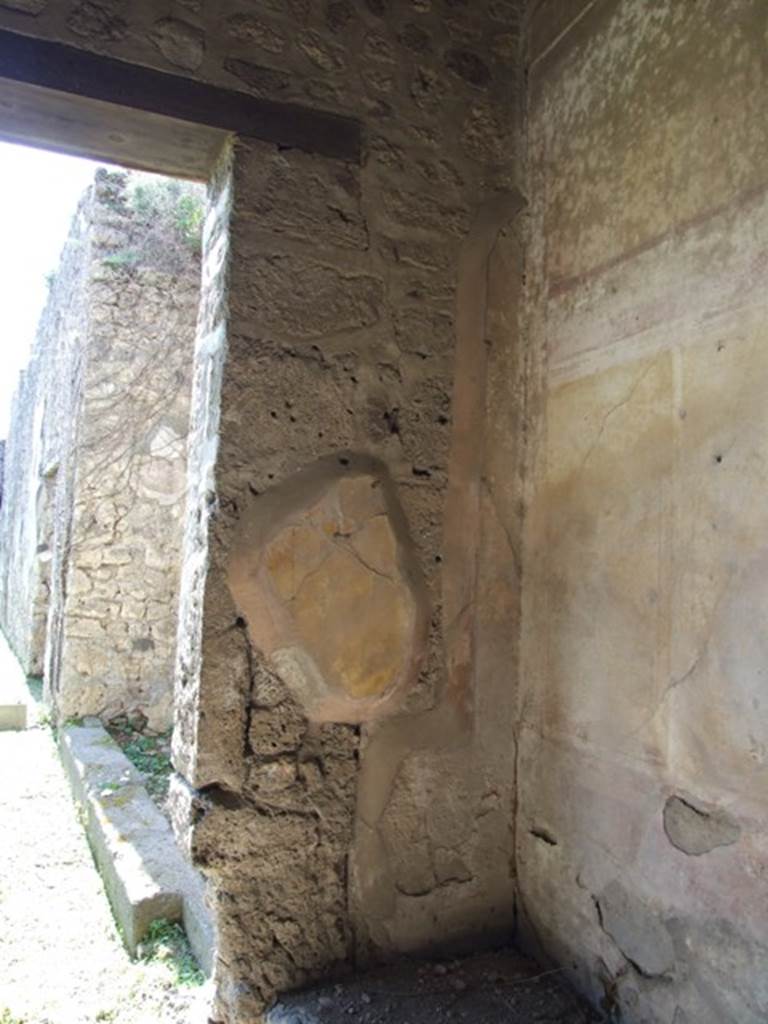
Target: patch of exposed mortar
column 695, row 830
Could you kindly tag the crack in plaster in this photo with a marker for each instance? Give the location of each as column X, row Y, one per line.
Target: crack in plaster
column 624, row 401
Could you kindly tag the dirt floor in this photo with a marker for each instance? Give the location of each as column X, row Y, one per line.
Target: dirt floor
column 61, row 958
column 494, row 988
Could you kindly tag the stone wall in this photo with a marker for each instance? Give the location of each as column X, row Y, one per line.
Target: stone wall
column 347, row 807
column 642, row 840
column 97, row 463
column 119, row 628
column 337, row 807
column 42, row 432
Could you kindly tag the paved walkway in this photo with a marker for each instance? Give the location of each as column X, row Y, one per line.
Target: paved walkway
column 61, row 959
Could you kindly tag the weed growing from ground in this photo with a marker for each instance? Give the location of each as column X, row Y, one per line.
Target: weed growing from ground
column 149, row 752
column 166, row 943
column 6, row 1017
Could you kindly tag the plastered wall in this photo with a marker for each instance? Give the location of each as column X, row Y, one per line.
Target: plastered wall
column 641, row 835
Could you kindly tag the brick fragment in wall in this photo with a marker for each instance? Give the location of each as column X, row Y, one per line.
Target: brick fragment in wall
column 379, row 49
column 484, row 136
column 320, row 52
column 428, row 90
column 260, row 79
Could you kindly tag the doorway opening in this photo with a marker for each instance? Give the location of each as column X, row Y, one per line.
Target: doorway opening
column 95, row 482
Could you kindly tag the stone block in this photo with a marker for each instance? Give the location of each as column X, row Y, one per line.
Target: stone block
column 297, row 298
column 179, row 42
column 13, row 696
column 145, row 874
column 304, row 197
column 12, row 716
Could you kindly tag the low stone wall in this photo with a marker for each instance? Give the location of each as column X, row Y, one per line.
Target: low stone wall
column 145, row 875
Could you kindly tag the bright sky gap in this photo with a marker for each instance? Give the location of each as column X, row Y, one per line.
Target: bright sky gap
column 39, row 192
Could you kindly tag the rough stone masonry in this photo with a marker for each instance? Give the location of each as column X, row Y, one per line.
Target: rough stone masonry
column 90, row 529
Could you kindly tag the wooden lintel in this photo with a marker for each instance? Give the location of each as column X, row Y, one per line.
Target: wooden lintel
column 79, row 72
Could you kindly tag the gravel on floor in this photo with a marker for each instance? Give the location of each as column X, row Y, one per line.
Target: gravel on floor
column 491, row 988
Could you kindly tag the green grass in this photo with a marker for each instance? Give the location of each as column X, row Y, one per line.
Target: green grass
column 150, row 757
column 166, row 943
column 122, row 258
column 6, row 1017
column 147, row 752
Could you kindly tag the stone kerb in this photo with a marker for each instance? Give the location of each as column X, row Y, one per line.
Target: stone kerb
column 145, row 874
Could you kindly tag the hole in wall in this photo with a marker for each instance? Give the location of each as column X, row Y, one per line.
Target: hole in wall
column 543, row 835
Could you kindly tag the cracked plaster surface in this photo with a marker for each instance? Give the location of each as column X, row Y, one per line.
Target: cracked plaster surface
column 329, row 602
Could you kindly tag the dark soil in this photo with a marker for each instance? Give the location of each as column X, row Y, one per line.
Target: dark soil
column 493, row 988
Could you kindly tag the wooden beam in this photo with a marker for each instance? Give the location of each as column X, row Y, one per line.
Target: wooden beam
column 48, row 119
column 79, row 72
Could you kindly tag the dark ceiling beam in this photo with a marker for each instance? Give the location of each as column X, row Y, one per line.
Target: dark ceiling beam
column 80, row 72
